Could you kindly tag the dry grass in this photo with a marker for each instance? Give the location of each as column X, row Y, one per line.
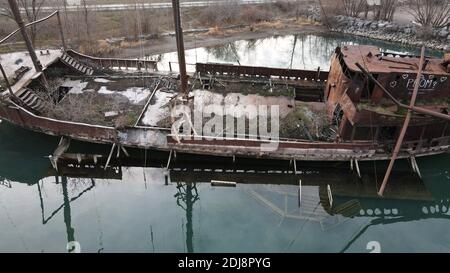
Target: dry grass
column 98, row 48
column 305, row 21
column 128, row 44
column 278, row 24
column 215, row 31
column 91, row 108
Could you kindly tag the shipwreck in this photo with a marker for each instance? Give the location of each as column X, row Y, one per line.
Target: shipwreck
column 371, row 105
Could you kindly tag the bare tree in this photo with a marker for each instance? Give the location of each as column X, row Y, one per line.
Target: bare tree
column 64, row 4
column 385, row 10
column 32, row 10
column 328, row 9
column 354, row 7
column 431, row 13
column 223, row 13
column 85, row 11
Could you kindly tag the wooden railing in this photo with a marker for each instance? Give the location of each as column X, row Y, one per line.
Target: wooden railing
column 256, row 71
column 109, row 63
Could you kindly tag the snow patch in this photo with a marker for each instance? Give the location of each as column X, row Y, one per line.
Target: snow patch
column 76, row 86
column 158, row 110
column 238, row 104
column 101, row 80
column 104, row 90
column 134, row 94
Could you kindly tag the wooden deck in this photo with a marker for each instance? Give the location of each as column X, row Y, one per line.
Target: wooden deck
column 13, row 61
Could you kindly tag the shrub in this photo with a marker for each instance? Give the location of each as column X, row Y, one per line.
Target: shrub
column 424, row 33
column 255, row 14
column 220, row 14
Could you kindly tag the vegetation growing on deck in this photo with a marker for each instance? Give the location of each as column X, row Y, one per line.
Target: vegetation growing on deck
column 307, row 122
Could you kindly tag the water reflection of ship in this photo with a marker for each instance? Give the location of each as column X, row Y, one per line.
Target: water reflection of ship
column 280, row 194
column 343, row 182
column 276, row 188
column 350, row 196
column 72, row 244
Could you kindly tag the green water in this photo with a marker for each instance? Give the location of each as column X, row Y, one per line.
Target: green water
column 142, row 210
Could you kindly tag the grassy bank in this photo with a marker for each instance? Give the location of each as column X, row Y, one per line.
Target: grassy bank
column 89, row 35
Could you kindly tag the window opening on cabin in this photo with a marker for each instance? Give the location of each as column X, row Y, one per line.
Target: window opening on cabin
column 306, row 95
column 338, row 113
column 370, row 85
column 387, row 133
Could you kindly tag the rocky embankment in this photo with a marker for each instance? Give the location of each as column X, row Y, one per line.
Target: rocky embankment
column 389, row 31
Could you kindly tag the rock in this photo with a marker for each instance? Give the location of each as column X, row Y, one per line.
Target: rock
column 360, row 24
column 443, row 33
column 391, row 28
column 374, row 25
column 382, row 25
column 111, row 114
column 448, row 38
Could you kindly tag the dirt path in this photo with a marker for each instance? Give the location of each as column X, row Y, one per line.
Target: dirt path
column 167, row 43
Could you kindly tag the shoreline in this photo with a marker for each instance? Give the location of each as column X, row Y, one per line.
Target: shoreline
column 405, row 34
column 217, row 37
column 406, row 41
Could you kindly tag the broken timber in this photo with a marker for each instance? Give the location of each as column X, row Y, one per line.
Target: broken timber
column 62, row 147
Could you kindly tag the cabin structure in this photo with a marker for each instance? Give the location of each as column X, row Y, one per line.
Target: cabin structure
column 366, row 113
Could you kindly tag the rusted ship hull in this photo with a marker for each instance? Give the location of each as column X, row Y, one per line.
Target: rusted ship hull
column 287, row 150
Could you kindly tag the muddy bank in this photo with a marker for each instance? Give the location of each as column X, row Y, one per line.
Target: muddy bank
column 216, row 37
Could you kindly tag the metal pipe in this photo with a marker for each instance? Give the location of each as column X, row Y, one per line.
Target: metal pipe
column 180, row 45
column 398, row 103
column 42, row 19
column 27, row 25
column 399, row 143
column 16, row 12
column 8, row 85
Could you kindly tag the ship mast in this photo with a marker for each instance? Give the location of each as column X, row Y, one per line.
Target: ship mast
column 180, row 46
column 16, row 13
column 405, row 124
